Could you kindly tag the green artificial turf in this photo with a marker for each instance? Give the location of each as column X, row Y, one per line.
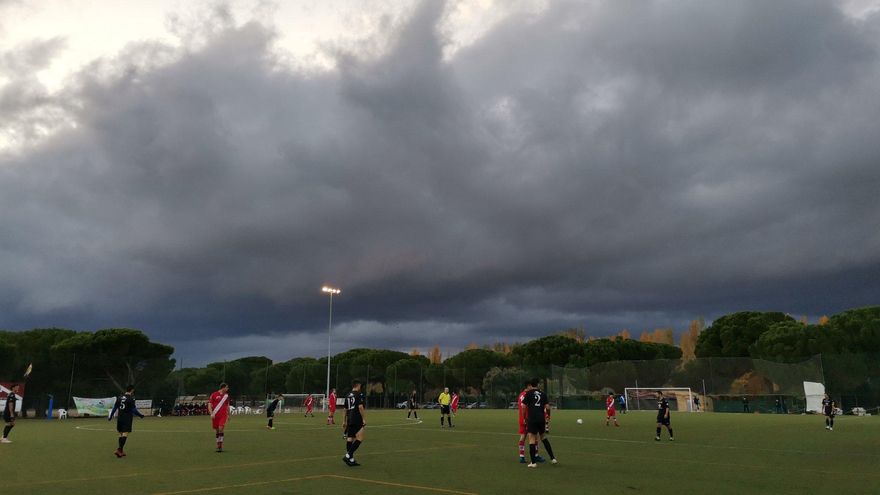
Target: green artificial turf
column 712, row 454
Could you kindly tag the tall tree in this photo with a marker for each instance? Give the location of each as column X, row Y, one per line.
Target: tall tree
column 731, row 335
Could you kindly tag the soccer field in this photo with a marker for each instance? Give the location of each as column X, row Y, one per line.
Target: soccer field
column 712, row 453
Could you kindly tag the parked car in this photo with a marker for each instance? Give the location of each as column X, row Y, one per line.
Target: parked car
column 477, row 405
column 431, row 405
column 402, row 405
column 512, row 405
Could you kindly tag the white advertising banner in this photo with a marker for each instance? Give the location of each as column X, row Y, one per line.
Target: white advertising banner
column 94, row 407
column 145, row 406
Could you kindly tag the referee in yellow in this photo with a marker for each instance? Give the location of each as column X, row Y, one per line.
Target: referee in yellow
column 444, row 400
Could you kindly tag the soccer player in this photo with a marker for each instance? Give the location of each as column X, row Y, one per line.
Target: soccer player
column 218, row 407
column 9, row 413
column 310, row 404
column 522, row 423
column 663, row 418
column 354, row 423
column 828, row 406
column 270, row 411
column 444, row 401
column 622, row 401
column 611, row 412
column 125, row 405
column 413, row 405
column 453, row 404
column 537, row 408
column 331, row 408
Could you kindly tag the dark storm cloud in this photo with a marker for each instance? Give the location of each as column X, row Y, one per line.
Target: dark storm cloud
column 608, row 165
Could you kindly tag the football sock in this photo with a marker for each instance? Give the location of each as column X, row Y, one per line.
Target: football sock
column 547, row 447
column 826, row 421
column 122, row 441
column 670, row 432
column 449, row 420
column 533, row 451
column 354, row 446
column 522, row 448
column 831, row 424
column 441, row 420
column 270, row 422
column 6, row 430
column 348, row 448
column 658, row 431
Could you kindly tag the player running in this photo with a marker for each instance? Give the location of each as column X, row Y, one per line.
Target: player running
column 611, row 412
column 663, row 418
column 270, row 411
column 413, row 405
column 310, row 404
column 354, row 423
column 218, row 407
column 828, row 406
column 125, row 406
column 537, row 409
column 9, row 413
column 444, row 401
column 331, row 407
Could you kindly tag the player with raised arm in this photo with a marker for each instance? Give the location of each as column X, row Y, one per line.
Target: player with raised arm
column 611, row 412
column 9, row 413
column 331, row 407
column 270, row 410
column 126, row 409
column 537, row 408
column 310, row 404
column 218, row 407
column 354, row 423
column 444, row 401
column 663, row 418
column 828, row 406
column 412, row 405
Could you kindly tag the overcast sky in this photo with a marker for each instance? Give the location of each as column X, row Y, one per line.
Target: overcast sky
column 475, row 171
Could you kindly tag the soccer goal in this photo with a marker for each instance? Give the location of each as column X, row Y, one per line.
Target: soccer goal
column 297, row 402
column 644, row 398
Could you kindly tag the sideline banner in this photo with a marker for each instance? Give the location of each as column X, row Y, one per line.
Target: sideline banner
column 94, row 407
column 5, row 389
column 145, row 406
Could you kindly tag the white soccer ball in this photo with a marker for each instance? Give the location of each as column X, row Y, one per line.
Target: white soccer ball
column 580, row 421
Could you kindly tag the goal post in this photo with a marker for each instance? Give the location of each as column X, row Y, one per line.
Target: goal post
column 645, row 398
column 297, row 402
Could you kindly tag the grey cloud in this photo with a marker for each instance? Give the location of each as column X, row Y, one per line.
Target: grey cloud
column 607, row 165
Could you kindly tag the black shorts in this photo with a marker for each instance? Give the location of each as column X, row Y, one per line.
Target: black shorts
column 444, row 409
column 123, row 426
column 352, row 430
column 536, row 427
column 664, row 420
column 7, row 418
column 829, row 413
column 412, row 405
column 270, row 414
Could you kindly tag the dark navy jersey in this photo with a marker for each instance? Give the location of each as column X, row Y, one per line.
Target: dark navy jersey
column 662, row 407
column 125, row 408
column 352, row 406
column 828, row 405
column 272, row 406
column 535, row 400
column 11, row 399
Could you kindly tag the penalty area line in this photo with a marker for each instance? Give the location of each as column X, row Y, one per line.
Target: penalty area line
column 315, row 477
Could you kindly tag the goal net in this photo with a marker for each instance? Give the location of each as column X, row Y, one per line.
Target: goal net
column 297, row 402
column 645, row 399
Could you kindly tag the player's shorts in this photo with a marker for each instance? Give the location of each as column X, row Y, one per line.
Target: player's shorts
column 218, row 422
column 829, row 411
column 522, row 428
column 444, row 409
column 664, row 420
column 351, row 431
column 536, row 427
column 7, row 418
column 611, row 412
column 123, row 425
column 270, row 414
column 411, row 404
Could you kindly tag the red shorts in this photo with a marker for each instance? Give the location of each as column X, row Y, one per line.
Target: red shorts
column 612, row 412
column 218, row 421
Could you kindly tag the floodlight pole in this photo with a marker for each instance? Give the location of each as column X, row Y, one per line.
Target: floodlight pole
column 331, row 291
